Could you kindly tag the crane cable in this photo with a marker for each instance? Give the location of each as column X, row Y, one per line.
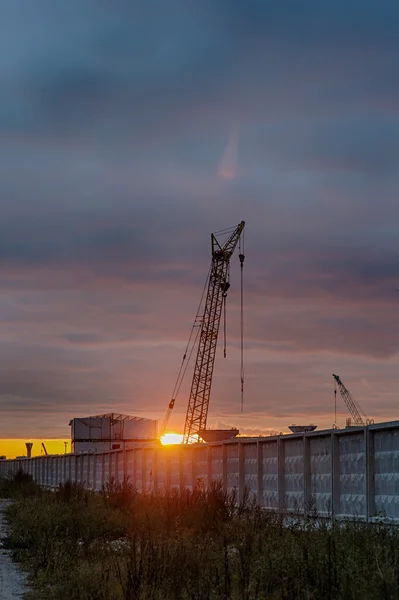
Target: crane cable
column 224, row 326
column 183, row 367
column 179, row 383
column 188, row 362
column 335, row 402
column 241, row 256
column 224, row 313
column 226, row 231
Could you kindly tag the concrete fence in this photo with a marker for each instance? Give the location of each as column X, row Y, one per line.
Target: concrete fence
column 344, row 473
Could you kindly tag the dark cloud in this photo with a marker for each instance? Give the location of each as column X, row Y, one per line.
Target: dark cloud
column 160, row 66
column 367, row 145
column 328, row 330
column 82, row 338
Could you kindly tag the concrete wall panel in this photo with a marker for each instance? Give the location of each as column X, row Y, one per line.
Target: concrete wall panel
column 269, row 474
column 232, row 467
column 217, row 462
column 130, row 466
column 187, row 469
column 386, row 465
column 352, row 479
column 250, row 451
column 139, row 469
column 200, row 469
column 174, row 465
column 321, row 474
column 294, row 473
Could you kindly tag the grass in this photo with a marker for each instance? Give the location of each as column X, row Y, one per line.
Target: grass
column 119, row 544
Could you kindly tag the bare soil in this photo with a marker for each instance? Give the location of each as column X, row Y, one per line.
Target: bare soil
column 12, row 579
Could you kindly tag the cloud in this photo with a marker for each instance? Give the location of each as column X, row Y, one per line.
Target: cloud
column 228, row 164
column 344, row 146
column 141, row 72
column 116, row 124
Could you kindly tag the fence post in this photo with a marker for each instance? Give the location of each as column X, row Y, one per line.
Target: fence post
column 193, row 469
column 110, row 466
column 94, row 483
column 370, row 473
column 181, row 468
column 224, row 455
column 335, row 475
column 134, row 474
column 281, row 472
column 209, row 467
column 259, row 454
column 88, row 470
column 143, row 471
column 125, row 473
column 241, row 470
column 307, row 478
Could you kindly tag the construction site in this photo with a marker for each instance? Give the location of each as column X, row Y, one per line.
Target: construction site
column 340, row 473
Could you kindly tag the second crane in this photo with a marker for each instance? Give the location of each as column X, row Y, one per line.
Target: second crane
column 358, row 415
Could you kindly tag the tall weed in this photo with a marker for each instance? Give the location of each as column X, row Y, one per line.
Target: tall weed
column 192, row 545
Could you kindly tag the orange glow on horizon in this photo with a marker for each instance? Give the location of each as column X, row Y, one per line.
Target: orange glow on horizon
column 16, row 447
column 171, row 438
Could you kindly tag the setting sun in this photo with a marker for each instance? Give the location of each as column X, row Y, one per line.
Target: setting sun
column 171, row 438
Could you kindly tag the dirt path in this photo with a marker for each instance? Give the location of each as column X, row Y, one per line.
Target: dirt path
column 12, row 580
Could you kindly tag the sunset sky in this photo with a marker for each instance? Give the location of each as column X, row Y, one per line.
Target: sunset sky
column 132, row 130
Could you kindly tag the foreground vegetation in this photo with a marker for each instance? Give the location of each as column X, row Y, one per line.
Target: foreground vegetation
column 119, row 544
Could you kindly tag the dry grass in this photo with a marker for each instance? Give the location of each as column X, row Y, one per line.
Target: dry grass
column 196, row 545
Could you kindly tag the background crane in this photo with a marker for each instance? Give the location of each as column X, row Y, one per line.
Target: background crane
column 44, row 449
column 358, row 415
column 207, row 325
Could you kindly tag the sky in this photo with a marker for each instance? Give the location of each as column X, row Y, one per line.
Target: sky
column 129, row 131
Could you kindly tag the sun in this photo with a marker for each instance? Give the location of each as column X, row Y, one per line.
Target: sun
column 171, row 438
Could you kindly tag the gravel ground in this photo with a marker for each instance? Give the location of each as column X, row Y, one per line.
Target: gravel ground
column 12, row 580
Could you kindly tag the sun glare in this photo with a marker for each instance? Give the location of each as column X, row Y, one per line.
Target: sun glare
column 171, row 438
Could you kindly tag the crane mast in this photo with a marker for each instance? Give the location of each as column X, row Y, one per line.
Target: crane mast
column 353, row 408
column 197, row 410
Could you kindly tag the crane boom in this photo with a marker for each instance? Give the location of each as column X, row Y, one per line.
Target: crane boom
column 353, row 408
column 197, row 410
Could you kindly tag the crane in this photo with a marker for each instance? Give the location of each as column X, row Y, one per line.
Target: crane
column 359, row 416
column 207, row 325
column 197, row 410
